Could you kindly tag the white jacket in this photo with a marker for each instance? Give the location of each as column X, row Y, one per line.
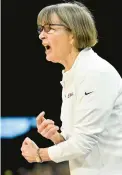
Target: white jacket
column 91, row 116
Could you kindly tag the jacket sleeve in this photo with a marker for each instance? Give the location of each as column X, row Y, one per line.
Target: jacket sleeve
column 91, row 114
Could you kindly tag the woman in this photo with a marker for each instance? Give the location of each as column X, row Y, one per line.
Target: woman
column 91, row 112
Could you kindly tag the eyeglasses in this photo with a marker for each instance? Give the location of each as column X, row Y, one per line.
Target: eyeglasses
column 47, row 27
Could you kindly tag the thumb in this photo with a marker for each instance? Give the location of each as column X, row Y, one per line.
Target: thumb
column 40, row 118
column 27, row 140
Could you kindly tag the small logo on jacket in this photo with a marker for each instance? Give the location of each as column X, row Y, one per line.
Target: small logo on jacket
column 86, row 93
column 70, row 94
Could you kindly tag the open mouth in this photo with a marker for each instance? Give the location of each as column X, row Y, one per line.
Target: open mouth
column 47, row 47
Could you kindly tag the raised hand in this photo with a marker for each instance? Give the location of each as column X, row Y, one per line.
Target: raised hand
column 46, row 127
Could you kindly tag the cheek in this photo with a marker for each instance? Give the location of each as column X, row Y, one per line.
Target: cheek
column 61, row 46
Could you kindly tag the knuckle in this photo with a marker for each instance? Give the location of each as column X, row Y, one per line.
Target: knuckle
column 45, row 130
column 50, row 121
column 40, row 129
column 49, row 127
column 42, row 133
column 57, row 128
column 44, row 122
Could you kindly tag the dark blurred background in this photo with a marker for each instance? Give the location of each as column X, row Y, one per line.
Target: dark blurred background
column 30, row 84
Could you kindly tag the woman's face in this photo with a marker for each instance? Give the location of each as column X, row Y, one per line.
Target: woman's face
column 58, row 42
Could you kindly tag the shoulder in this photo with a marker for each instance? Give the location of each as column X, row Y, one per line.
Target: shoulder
column 92, row 65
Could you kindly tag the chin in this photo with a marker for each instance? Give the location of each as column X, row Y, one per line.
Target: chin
column 51, row 59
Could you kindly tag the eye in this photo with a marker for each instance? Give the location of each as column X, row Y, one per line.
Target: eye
column 51, row 29
column 47, row 28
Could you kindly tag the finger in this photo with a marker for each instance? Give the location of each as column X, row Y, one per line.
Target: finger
column 22, row 148
column 30, row 161
column 27, row 158
column 51, row 132
column 44, row 124
column 24, row 154
column 24, row 143
column 27, row 141
column 48, row 128
column 40, row 118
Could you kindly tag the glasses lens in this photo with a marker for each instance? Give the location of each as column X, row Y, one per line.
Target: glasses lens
column 47, row 28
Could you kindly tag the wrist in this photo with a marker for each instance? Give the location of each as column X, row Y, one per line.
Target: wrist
column 43, row 155
column 38, row 157
column 57, row 138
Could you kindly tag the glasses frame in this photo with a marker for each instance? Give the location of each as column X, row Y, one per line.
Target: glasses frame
column 41, row 28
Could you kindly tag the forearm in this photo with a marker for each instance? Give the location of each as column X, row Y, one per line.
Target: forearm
column 67, row 150
column 43, row 152
column 76, row 146
column 57, row 138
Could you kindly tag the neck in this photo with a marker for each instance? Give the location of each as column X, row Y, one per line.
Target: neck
column 69, row 60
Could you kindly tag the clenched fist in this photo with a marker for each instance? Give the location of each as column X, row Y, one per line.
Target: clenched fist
column 46, row 127
column 29, row 150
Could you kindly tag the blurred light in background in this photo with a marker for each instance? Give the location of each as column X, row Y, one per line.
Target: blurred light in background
column 12, row 127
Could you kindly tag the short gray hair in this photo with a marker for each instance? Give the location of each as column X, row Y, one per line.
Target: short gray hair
column 76, row 17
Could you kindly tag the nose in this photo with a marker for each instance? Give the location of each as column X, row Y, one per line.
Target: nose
column 42, row 35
